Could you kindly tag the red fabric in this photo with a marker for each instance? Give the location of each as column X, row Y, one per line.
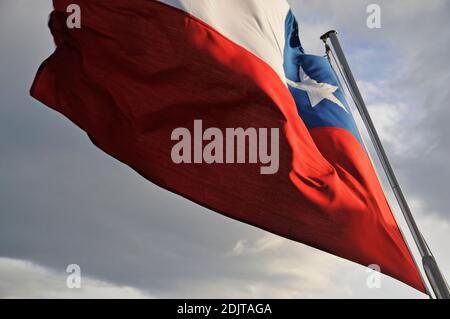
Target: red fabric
column 137, row 70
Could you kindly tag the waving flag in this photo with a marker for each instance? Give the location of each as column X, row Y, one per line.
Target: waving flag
column 137, row 70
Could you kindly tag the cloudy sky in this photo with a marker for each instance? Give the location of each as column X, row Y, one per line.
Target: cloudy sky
column 63, row 201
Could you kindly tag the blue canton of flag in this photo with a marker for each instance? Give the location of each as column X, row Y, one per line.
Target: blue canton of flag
column 314, row 86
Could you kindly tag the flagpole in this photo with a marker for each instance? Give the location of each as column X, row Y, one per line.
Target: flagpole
column 435, row 277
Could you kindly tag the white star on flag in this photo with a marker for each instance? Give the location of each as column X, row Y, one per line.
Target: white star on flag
column 317, row 92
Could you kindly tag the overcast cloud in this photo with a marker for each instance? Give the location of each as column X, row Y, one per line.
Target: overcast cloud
column 63, row 201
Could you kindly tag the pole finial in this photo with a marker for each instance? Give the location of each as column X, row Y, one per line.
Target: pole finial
column 326, row 36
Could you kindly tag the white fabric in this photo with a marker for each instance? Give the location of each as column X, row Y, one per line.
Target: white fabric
column 256, row 25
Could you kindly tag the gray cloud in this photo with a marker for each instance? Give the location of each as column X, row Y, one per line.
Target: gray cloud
column 24, row 279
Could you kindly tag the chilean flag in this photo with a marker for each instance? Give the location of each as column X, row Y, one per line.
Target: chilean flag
column 138, row 69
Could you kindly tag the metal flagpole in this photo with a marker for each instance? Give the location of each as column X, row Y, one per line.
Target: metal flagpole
column 432, row 271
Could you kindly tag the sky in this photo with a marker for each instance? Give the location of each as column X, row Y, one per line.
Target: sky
column 63, row 201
